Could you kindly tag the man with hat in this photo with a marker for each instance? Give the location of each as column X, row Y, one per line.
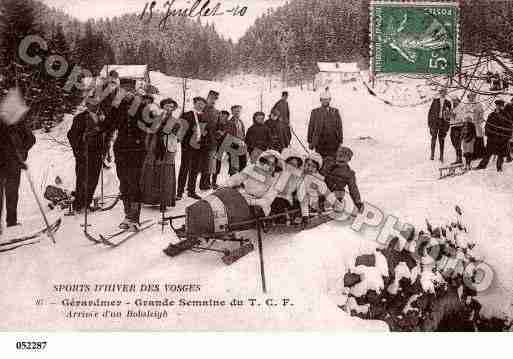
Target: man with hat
column 438, row 122
column 325, row 133
column 208, row 143
column 88, row 142
column 498, row 131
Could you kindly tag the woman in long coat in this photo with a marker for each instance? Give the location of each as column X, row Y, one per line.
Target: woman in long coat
column 159, row 175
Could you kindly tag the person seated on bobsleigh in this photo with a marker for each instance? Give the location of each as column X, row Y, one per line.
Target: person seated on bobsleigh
column 338, row 175
column 257, row 181
column 313, row 191
column 287, row 186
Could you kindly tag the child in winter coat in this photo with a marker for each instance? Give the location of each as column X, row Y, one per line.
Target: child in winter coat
column 258, row 137
column 259, row 181
column 468, row 140
column 278, row 129
column 338, row 175
column 288, row 184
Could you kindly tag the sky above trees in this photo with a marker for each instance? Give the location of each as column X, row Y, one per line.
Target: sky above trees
column 231, row 27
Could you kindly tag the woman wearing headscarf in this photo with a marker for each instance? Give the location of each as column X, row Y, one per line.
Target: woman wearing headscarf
column 159, row 175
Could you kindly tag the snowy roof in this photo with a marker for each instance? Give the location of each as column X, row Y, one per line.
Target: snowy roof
column 126, row 71
column 338, row 67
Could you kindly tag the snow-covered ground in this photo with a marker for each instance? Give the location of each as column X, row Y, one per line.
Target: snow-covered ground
column 393, row 172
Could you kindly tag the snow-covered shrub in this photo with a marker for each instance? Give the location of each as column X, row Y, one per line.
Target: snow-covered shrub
column 418, row 285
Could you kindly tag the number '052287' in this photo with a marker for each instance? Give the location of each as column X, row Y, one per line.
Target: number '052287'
column 28, row 345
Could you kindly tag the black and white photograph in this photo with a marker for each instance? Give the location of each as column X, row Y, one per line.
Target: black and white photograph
column 270, row 165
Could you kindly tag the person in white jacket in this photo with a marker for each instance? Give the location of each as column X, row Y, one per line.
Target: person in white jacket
column 258, row 183
column 313, row 187
column 288, row 184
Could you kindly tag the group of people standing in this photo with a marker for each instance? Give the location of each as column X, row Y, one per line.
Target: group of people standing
column 468, row 129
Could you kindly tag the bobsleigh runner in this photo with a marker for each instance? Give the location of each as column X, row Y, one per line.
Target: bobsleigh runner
column 226, row 217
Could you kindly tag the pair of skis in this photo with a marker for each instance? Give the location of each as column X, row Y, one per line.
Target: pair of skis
column 117, row 238
column 29, row 239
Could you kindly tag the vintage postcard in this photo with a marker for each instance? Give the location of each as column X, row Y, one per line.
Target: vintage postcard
column 270, row 165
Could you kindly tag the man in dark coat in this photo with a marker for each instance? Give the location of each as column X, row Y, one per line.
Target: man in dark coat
column 283, row 107
column 209, row 143
column 235, row 127
column 130, row 152
column 15, row 142
column 439, row 122
column 278, row 131
column 191, row 150
column 87, row 140
column 258, row 138
column 325, row 132
column 498, row 131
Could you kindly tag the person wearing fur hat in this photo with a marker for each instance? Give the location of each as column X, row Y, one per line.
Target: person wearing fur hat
column 325, row 131
column 339, row 175
column 286, row 198
column 257, row 183
column 159, row 173
column 498, row 131
column 258, row 137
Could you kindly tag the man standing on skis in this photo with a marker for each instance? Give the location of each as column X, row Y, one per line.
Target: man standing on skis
column 209, row 144
column 130, row 152
column 87, row 139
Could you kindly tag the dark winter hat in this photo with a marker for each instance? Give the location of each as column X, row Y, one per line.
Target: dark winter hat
column 226, row 113
column 284, row 93
column 148, row 97
column 345, row 151
column 213, row 94
column 256, row 114
column 114, row 74
column 168, row 101
column 199, row 99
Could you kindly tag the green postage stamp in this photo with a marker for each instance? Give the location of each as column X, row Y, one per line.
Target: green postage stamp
column 414, row 37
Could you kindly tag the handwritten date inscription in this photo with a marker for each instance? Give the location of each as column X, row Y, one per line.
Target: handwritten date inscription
column 197, row 8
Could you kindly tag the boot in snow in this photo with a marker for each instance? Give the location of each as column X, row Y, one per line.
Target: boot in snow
column 125, row 224
column 134, row 227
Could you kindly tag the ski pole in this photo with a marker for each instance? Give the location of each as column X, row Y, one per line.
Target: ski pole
column 38, row 201
column 261, row 255
column 297, row 138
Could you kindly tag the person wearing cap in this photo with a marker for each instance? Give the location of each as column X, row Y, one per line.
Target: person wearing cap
column 339, row 175
column 438, row 122
column 498, row 131
column 283, row 108
column 476, row 111
column 208, row 142
column 325, row 130
column 191, row 150
column 159, row 176
column 457, row 120
column 87, row 139
column 15, row 142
